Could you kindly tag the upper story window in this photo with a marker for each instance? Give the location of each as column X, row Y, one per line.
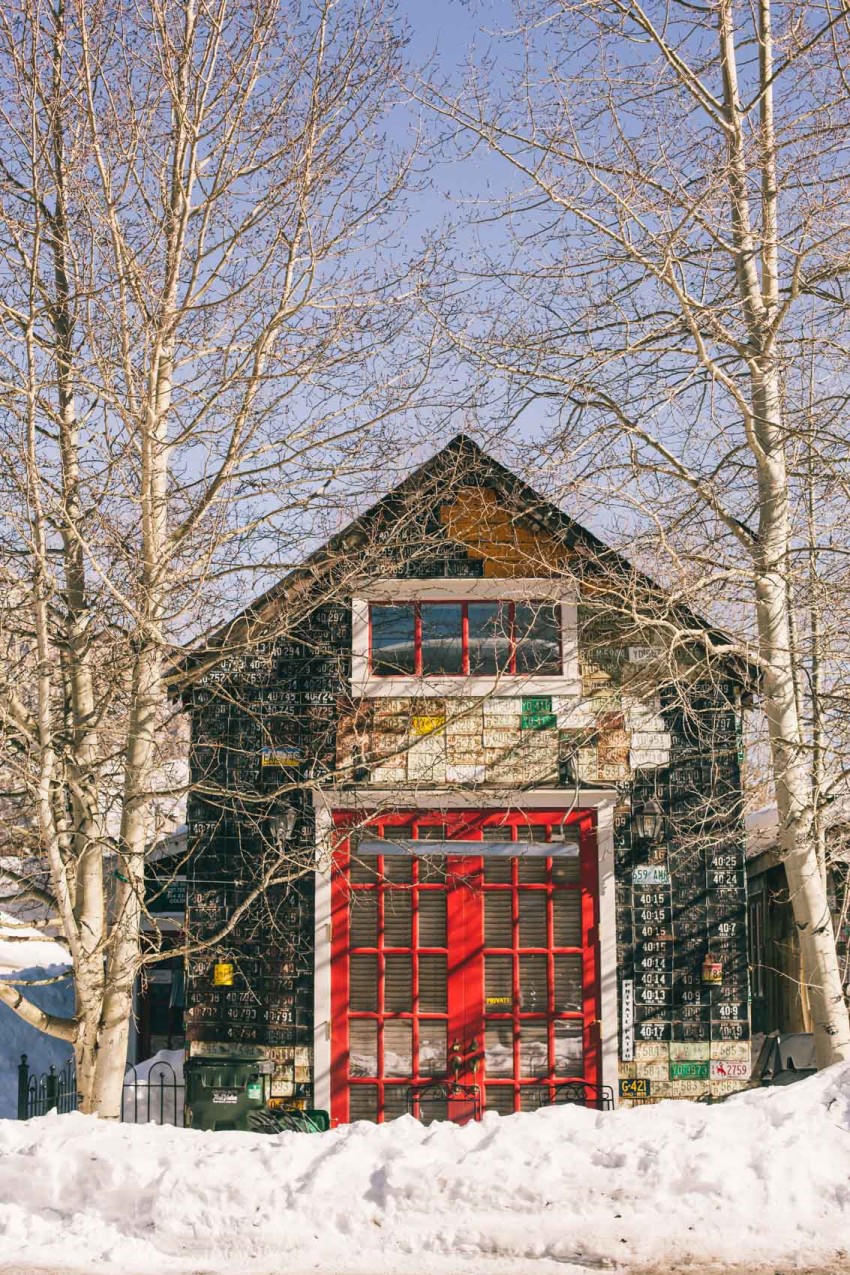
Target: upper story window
column 464, row 638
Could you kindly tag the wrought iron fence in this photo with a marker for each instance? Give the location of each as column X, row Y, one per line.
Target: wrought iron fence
column 153, row 1098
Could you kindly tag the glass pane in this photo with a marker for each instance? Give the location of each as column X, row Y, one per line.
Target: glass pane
column 532, row 870
column 535, row 832
column 398, row 1048
column 363, row 1102
column 532, row 1097
column 497, row 869
column 499, row 983
column 532, row 919
column 364, row 867
column 499, row 1049
column 498, row 926
column 568, row 984
column 432, row 1048
column 432, row 985
column 432, row 832
column 432, row 918
column 538, row 638
column 441, row 637
column 398, row 985
column 395, row 1102
column 363, row 1047
column 568, row 1047
column 364, row 918
column 533, row 1049
column 533, row 983
column 392, row 639
column 364, row 983
column 398, row 868
column 567, row 917
column 500, row 1098
column 489, row 637
column 432, row 867
column 566, row 871
column 398, row 918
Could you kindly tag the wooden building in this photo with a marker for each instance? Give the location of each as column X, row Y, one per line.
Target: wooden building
column 497, row 808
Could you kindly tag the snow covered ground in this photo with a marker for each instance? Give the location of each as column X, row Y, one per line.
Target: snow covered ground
column 763, row 1179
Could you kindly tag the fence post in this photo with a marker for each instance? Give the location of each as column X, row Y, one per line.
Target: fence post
column 23, row 1087
column 52, row 1089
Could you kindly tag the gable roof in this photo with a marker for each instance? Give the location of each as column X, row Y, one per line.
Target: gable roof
column 461, row 461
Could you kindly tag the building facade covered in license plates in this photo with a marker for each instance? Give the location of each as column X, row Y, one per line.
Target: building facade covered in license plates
column 465, row 820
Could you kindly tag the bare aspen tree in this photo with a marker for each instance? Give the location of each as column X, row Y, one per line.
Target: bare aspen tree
column 669, row 287
column 204, row 324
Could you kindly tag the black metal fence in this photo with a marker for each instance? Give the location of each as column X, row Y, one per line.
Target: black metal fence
column 155, row 1098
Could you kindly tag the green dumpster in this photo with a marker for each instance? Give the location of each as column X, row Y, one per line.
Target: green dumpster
column 221, row 1093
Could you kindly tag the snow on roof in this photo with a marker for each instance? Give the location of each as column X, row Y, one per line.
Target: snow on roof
column 22, row 946
column 761, row 1178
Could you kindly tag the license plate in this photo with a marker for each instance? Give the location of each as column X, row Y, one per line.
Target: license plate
column 729, row 1069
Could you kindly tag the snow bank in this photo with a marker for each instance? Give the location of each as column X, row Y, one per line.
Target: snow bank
column 23, row 947
column 763, row 1178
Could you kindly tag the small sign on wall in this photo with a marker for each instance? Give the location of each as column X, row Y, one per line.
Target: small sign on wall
column 627, row 1010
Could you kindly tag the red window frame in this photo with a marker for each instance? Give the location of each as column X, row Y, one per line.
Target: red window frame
column 465, row 937
column 464, row 604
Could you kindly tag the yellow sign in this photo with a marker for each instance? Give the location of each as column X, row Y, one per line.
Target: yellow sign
column 223, row 974
column 280, row 757
column 426, row 725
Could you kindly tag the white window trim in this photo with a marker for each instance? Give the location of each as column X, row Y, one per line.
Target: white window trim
column 568, row 682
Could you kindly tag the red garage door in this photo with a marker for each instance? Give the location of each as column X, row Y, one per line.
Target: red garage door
column 464, row 962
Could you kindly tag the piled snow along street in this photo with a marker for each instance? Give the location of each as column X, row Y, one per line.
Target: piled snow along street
column 761, row 1179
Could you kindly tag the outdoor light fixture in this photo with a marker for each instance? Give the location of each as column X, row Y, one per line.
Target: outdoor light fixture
column 282, row 825
column 648, row 820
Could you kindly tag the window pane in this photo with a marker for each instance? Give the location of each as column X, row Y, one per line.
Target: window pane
column 533, row 979
column 364, row 918
column 398, row 868
column 538, row 637
column 499, row 1049
column 532, row 871
column 398, row 985
column 497, row 869
column 363, row 1047
column 432, row 918
column 568, row 984
column 441, row 637
column 398, row 918
column 432, row 985
column 499, row 983
column 398, row 1048
column 567, row 917
column 364, row 867
column 363, row 1102
column 392, row 639
column 532, row 918
column 364, row 983
column 432, row 1048
column 395, row 1102
column 500, row 1098
column 489, row 637
column 498, row 925
column 568, row 1048
column 533, row 1049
